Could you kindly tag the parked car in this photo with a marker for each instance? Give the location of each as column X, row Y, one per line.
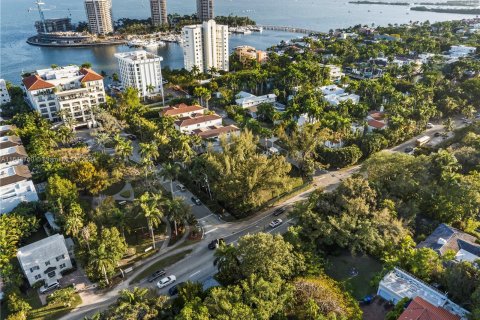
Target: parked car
column 275, row 223
column 437, row 134
column 166, row 281
column 173, row 291
column 279, row 211
column 49, row 287
column 157, row 274
column 215, row 243
column 132, row 137
column 196, row 201
column 430, row 125
column 181, row 187
column 409, row 150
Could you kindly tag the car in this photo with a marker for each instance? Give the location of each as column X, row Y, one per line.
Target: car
column 278, row 211
column 275, row 223
column 437, row 134
column 409, row 150
column 466, row 121
column 196, row 201
column 173, row 291
column 132, row 137
column 49, row 287
column 166, row 281
column 157, row 274
column 181, row 187
column 430, row 125
column 215, row 243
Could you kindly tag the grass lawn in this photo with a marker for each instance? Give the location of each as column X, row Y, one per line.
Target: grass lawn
column 161, row 264
column 114, row 188
column 53, row 311
column 340, row 268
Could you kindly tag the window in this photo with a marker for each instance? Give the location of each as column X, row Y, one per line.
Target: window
column 47, row 263
column 38, row 276
column 62, row 266
column 34, row 268
column 60, row 257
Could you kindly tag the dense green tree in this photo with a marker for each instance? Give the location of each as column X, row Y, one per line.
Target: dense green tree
column 151, row 208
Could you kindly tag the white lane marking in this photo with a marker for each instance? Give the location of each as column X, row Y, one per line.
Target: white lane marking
column 194, row 274
column 211, row 214
column 211, row 230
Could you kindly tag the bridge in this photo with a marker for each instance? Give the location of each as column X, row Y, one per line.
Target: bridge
column 290, row 29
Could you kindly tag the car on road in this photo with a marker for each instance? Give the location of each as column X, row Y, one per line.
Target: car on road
column 173, row 291
column 49, row 287
column 466, row 121
column 437, row 134
column 181, row 187
column 215, row 243
column 278, row 211
column 430, row 125
column 131, row 137
column 166, row 281
column 157, row 274
column 275, row 223
column 196, row 201
column 409, row 150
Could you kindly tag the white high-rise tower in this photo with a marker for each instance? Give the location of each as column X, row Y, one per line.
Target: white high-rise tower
column 99, row 15
column 159, row 12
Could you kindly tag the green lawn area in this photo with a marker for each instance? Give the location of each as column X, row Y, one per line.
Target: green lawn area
column 340, row 268
column 53, row 311
column 161, row 264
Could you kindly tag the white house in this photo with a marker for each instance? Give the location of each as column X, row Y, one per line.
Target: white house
column 335, row 72
column 72, row 90
column 189, row 124
column 247, row 100
column 16, row 186
column 182, row 110
column 461, row 51
column 12, row 156
column 398, row 284
column 334, row 95
column 4, row 95
column 45, row 259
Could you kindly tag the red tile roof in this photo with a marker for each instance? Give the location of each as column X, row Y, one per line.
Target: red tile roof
column 420, row 309
column 376, row 124
column 179, row 109
column 213, row 132
column 377, row 115
column 20, row 173
column 34, row 82
column 188, row 121
column 90, row 75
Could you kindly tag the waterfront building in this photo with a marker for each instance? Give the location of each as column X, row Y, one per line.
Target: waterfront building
column 461, row 51
column 4, row 95
column 158, row 10
column 141, row 70
column 65, row 92
column 54, row 25
column 205, row 46
column 246, row 53
column 99, row 16
column 205, row 10
column 45, row 259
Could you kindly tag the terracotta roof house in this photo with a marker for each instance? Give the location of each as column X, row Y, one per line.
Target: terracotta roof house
column 11, row 156
column 376, row 124
column 445, row 238
column 90, row 75
column 188, row 124
column 419, row 309
column 182, row 110
column 9, row 141
column 216, row 131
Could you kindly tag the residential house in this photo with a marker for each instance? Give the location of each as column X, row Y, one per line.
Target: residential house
column 398, row 284
column 16, row 186
column 420, row 309
column 246, row 100
column 448, row 239
column 45, row 259
column 334, row 95
column 182, row 110
column 461, row 51
column 335, row 72
column 376, row 120
column 189, row 124
column 9, row 141
column 247, row 53
column 4, row 95
column 12, row 156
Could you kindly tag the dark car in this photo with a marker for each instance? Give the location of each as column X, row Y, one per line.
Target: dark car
column 215, row 243
column 437, row 134
column 132, row 137
column 174, row 290
column 409, row 150
column 196, row 201
column 278, row 211
column 157, row 274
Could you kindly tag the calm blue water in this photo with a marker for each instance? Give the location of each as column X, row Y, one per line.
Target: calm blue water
column 16, row 25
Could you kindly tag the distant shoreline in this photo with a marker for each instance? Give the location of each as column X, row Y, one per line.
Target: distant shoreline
column 472, row 11
column 380, row 2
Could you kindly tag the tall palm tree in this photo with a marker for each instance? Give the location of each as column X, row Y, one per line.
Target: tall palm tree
column 149, row 153
column 73, row 224
column 101, row 139
column 178, row 211
column 101, row 260
column 123, row 147
column 170, row 172
column 151, row 208
column 448, row 124
column 65, row 134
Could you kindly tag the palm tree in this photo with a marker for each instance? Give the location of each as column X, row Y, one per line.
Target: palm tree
column 448, row 124
column 150, row 207
column 170, row 172
column 149, row 153
column 73, row 224
column 65, row 134
column 150, row 88
column 123, row 148
column 100, row 259
column 195, row 71
column 101, row 139
column 178, row 211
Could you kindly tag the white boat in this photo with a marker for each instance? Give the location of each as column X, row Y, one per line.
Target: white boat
column 135, row 43
column 153, row 44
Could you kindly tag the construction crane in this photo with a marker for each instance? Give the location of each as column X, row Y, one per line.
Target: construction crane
column 39, row 4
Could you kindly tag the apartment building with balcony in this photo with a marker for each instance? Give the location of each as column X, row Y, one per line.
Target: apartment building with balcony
column 65, row 92
column 4, row 95
column 16, row 187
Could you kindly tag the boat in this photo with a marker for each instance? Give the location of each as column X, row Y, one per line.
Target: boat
column 135, row 43
column 153, row 44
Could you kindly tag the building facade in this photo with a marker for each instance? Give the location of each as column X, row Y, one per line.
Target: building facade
column 206, row 46
column 141, row 70
column 65, row 92
column 16, row 187
column 248, row 100
column 158, row 10
column 248, row 53
column 54, row 25
column 4, row 95
column 99, row 16
column 205, row 10
column 45, row 259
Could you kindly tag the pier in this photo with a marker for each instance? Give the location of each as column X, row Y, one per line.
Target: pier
column 290, row 29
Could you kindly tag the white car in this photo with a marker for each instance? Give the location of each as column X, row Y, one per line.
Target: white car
column 275, row 223
column 430, row 125
column 166, row 281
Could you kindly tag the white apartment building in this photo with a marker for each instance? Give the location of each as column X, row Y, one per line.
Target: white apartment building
column 205, row 46
column 141, row 70
column 15, row 187
column 189, row 124
column 461, row 51
column 45, row 259
column 4, row 95
column 99, row 16
column 158, row 10
column 12, row 156
column 248, row 100
column 205, row 10
column 65, row 92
